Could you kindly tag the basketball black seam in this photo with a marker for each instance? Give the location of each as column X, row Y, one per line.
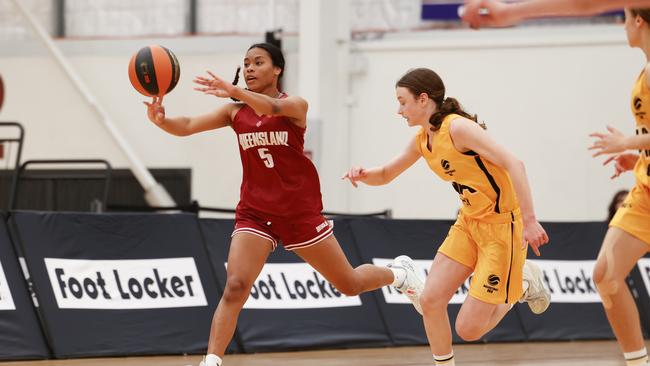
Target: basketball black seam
column 175, row 70
column 145, row 56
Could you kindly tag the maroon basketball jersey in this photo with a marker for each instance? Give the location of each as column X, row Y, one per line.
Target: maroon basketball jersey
column 278, row 181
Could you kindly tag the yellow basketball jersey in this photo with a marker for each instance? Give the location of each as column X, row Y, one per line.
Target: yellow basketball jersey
column 484, row 188
column 640, row 109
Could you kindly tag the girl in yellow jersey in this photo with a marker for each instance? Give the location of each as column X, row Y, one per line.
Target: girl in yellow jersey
column 628, row 237
column 495, row 222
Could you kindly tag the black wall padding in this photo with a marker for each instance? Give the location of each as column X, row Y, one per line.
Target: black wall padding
column 21, row 336
column 119, row 284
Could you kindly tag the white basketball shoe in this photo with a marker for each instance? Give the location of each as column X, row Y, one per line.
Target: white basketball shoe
column 413, row 285
column 537, row 296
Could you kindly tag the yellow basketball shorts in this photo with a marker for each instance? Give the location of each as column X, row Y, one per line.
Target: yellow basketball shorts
column 491, row 246
column 633, row 216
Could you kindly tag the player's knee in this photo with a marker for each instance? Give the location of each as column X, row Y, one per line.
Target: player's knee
column 607, row 286
column 236, row 290
column 600, row 269
column 605, row 283
column 349, row 287
column 433, row 302
column 468, row 330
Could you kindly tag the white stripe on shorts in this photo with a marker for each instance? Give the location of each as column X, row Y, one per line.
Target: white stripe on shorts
column 311, row 242
column 259, row 233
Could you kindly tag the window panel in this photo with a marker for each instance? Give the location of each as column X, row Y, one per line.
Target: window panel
column 125, row 18
column 13, row 26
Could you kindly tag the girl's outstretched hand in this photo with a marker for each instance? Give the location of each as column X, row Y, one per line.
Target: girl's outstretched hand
column 214, row 85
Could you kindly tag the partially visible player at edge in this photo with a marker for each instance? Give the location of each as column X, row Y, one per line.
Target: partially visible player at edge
column 628, row 236
column 280, row 192
column 495, row 224
column 499, row 13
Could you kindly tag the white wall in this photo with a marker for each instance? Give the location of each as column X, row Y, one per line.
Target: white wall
column 540, row 92
column 59, row 124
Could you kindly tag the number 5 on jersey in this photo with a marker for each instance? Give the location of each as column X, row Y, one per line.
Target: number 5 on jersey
column 266, row 156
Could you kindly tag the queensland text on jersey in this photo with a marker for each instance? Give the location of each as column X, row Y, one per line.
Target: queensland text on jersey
column 278, row 181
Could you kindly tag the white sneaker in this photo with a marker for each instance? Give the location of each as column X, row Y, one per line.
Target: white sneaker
column 537, row 296
column 413, row 285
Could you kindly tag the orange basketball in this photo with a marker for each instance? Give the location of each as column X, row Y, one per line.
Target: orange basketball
column 154, row 71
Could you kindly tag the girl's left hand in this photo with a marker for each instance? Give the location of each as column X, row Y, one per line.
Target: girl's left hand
column 624, row 162
column 608, row 143
column 214, row 85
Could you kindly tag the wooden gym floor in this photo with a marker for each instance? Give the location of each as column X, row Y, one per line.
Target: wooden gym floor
column 592, row 353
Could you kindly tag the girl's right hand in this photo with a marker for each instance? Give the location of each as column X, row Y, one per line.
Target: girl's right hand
column 156, row 111
column 354, row 175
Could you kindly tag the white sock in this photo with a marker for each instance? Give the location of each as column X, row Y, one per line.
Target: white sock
column 447, row 360
column 399, row 276
column 639, row 357
column 212, row 360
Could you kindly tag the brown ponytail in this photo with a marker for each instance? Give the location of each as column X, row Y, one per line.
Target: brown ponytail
column 449, row 106
column 423, row 80
column 236, row 81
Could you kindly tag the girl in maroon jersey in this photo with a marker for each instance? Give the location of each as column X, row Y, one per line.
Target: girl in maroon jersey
column 280, row 192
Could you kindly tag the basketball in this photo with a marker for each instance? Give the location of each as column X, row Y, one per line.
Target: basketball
column 154, row 71
column 2, row 92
